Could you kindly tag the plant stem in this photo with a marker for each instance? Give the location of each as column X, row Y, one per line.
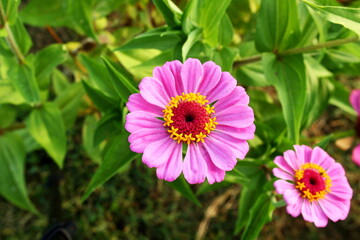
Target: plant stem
column 10, row 38
column 329, row 44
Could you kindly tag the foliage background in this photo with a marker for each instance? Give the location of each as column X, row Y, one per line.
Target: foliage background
column 134, row 204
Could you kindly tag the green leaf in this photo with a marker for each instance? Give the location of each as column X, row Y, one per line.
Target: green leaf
column 225, row 58
column 193, row 37
column 346, row 16
column 116, row 157
column 171, row 13
column 88, row 131
column 40, row 13
column 10, row 9
column 287, row 74
column 183, row 187
column 23, row 80
column 98, row 76
column 12, row 177
column 260, row 214
column 159, row 38
column 46, row 60
column 108, row 126
column 8, row 115
column 226, row 31
column 249, row 193
column 211, row 14
column 69, row 103
column 21, row 36
column 103, row 102
column 340, row 97
column 46, row 126
column 121, row 84
column 60, row 81
column 277, row 26
column 82, row 17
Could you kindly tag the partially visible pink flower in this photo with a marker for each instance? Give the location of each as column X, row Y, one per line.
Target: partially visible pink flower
column 355, row 102
column 193, row 108
column 313, row 184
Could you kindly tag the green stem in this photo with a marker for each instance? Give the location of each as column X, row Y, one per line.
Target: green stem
column 10, row 38
column 329, row 44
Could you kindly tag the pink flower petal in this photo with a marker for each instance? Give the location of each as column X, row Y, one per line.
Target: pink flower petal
column 355, row 100
column 281, row 186
column 341, row 188
column 139, row 120
column 334, row 208
column 138, row 103
column 282, row 174
column 306, row 211
column 321, row 158
column 141, row 138
column 356, row 155
column 175, row 69
column 220, row 154
column 159, row 152
column 303, row 154
column 172, row 168
column 291, row 158
column 212, row 75
column 167, row 79
column 238, row 146
column 191, row 75
column 152, row 90
column 295, row 209
column 284, row 165
column 224, row 87
column 335, row 171
column 291, row 196
column 239, row 116
column 195, row 167
column 319, row 217
column 245, row 133
column 236, row 97
column 213, row 174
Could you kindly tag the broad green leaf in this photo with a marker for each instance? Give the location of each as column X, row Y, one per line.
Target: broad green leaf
column 248, row 195
column 88, row 131
column 252, row 75
column 193, row 37
column 340, row 97
column 226, row 31
column 121, row 84
column 159, row 38
column 103, row 102
column 12, row 177
column 10, row 10
column 260, row 214
column 116, row 157
column 46, row 126
column 277, row 26
column 40, row 13
column 171, row 13
column 21, row 36
column 103, row 8
column 60, row 81
column 317, row 91
column 211, row 14
column 99, row 76
column 287, row 74
column 108, row 126
column 183, row 187
column 191, row 15
column 225, row 58
column 348, row 17
column 23, row 79
column 69, row 103
column 8, row 115
column 46, row 60
column 82, row 17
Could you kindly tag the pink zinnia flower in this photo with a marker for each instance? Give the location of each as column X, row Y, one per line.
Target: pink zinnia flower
column 195, row 108
column 355, row 102
column 313, row 184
